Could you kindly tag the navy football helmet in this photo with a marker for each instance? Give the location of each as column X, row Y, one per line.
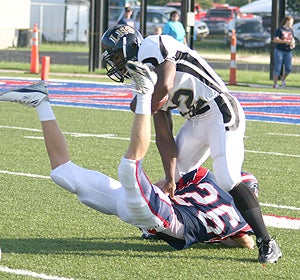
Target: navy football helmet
column 250, row 181
column 120, row 44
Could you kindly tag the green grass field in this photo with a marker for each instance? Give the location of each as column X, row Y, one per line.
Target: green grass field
column 45, row 230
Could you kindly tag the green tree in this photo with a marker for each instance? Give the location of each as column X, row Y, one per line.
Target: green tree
column 293, row 5
column 205, row 4
column 238, row 3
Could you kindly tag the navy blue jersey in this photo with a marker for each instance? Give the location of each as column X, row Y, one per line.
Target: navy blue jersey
column 207, row 212
column 284, row 34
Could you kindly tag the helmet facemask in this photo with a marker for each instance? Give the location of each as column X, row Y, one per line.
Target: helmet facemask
column 119, row 50
column 116, row 70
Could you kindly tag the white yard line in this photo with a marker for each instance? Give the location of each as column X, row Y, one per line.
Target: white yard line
column 24, row 174
column 272, row 153
column 31, row 274
column 112, row 136
column 75, row 134
column 286, row 135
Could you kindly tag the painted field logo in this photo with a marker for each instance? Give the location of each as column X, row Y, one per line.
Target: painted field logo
column 261, row 106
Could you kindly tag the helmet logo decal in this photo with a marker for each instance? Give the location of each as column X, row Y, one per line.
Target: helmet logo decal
column 120, row 32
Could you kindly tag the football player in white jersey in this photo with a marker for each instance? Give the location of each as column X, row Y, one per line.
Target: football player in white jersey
column 215, row 123
column 199, row 212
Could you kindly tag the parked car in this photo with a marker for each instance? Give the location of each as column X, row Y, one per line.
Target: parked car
column 250, row 33
column 155, row 16
column 218, row 17
column 200, row 30
column 296, row 28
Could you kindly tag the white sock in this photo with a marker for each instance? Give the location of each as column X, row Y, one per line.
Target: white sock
column 143, row 104
column 44, row 111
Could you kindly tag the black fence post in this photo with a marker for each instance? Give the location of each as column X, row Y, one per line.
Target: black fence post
column 187, row 8
column 278, row 13
column 98, row 24
column 91, row 36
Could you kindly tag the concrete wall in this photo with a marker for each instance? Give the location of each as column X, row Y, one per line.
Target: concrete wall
column 14, row 15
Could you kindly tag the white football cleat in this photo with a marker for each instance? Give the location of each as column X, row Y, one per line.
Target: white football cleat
column 143, row 77
column 31, row 95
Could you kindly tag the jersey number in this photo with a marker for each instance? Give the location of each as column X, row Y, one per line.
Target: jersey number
column 184, row 99
column 213, row 218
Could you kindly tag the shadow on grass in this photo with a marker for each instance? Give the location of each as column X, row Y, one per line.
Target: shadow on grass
column 132, row 246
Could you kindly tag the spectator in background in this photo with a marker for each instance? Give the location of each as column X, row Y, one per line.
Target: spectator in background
column 126, row 19
column 157, row 30
column 285, row 43
column 175, row 28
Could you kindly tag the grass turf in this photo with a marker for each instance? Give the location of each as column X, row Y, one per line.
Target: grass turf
column 46, row 230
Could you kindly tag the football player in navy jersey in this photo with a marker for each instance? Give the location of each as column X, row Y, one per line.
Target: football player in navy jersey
column 215, row 123
column 199, row 212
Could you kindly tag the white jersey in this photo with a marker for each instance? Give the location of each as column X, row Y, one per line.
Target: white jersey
column 215, row 119
column 195, row 81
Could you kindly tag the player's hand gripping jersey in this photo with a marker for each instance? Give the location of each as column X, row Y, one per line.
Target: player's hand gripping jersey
column 197, row 88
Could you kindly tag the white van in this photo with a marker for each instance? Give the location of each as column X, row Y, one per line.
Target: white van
column 61, row 21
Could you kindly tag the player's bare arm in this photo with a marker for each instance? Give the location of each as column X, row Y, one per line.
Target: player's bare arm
column 165, row 72
column 167, row 148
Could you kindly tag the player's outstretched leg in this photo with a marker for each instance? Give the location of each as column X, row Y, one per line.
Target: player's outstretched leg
column 94, row 189
column 32, row 95
column 36, row 95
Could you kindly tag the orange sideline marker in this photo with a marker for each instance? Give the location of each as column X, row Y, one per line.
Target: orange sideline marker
column 45, row 68
column 232, row 78
column 34, row 60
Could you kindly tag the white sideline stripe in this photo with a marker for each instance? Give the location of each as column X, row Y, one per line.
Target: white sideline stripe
column 281, row 222
column 280, row 206
column 112, row 136
column 31, row 274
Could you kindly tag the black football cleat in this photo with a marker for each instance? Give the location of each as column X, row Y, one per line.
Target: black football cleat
column 269, row 251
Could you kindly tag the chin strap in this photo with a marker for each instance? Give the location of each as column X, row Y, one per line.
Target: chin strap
column 124, row 48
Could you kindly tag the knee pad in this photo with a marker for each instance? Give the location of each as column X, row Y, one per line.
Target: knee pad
column 60, row 175
column 140, row 197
